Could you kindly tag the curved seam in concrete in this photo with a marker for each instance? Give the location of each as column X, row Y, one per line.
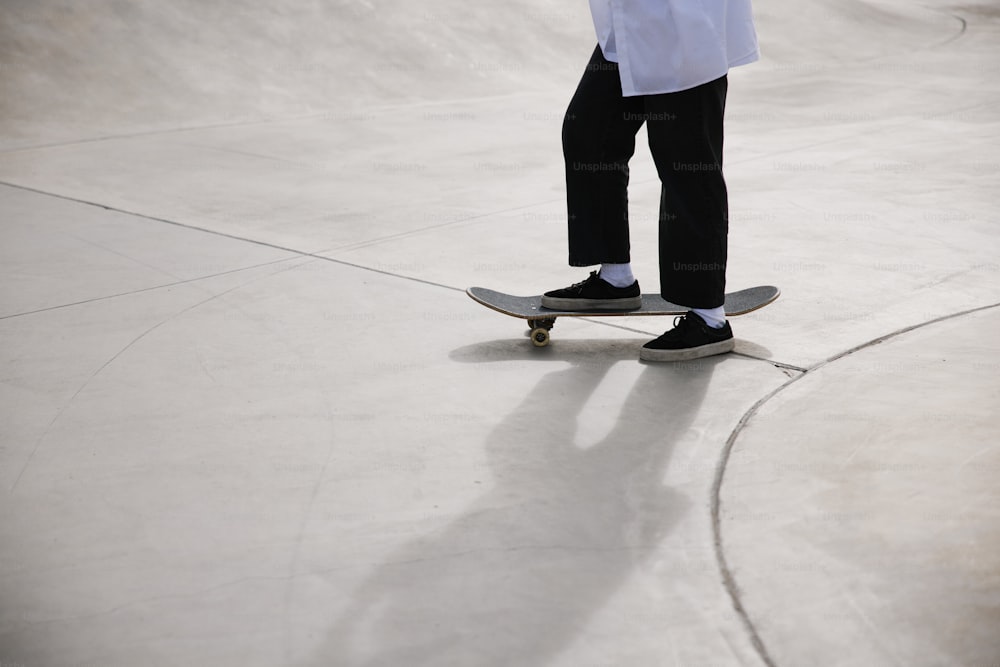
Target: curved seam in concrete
column 961, row 31
column 728, row 581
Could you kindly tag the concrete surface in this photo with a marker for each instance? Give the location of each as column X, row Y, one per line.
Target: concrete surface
column 250, row 418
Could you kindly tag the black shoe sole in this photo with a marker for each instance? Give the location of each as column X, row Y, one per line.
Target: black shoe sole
column 688, row 353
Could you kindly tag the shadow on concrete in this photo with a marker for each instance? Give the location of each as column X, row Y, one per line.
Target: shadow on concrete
column 517, row 577
column 568, row 350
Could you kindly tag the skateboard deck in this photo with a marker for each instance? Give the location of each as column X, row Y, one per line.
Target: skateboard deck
column 541, row 320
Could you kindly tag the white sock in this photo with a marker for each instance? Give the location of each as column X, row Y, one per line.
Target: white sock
column 619, row 275
column 714, row 317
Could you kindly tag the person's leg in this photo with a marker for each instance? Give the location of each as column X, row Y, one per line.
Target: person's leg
column 685, row 136
column 598, row 140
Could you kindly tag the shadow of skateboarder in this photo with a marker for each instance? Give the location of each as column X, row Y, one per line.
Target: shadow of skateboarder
column 517, row 577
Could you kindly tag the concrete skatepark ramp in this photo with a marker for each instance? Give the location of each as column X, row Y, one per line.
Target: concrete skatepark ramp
column 248, row 416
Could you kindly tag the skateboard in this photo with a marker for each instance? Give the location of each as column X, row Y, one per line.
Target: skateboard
column 541, row 319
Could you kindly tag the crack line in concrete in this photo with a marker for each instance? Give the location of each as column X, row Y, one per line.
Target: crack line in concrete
column 265, row 244
column 147, row 289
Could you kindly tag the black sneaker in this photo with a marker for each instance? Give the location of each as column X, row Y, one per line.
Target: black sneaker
column 594, row 293
column 690, row 338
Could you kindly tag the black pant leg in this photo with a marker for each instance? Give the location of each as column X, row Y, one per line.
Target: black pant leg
column 685, row 137
column 598, row 141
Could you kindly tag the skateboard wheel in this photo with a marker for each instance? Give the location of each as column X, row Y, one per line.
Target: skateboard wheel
column 539, row 337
